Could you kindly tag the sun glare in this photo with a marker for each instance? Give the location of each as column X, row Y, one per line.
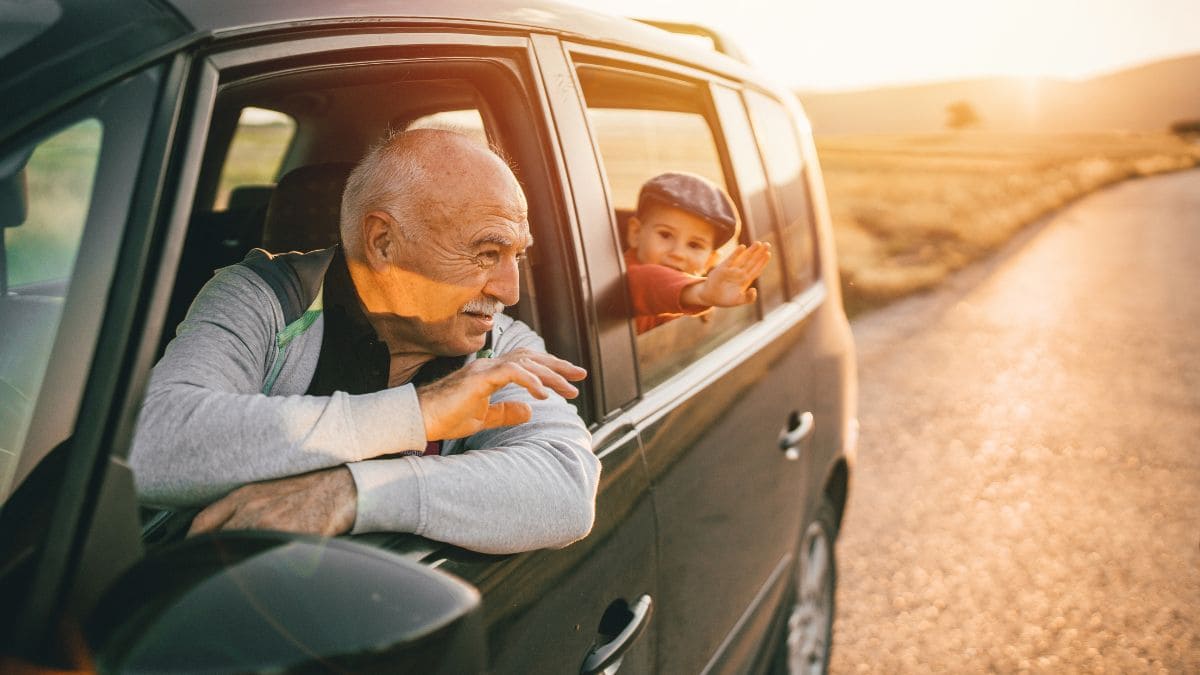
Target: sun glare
column 859, row 44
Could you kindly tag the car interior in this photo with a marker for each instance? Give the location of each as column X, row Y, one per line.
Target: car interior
column 338, row 113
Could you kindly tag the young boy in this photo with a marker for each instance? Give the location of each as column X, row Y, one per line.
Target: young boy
column 681, row 221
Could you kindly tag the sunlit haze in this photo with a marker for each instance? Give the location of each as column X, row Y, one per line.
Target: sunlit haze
column 858, row 44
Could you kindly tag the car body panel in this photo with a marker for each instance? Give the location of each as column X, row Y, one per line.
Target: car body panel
column 699, row 509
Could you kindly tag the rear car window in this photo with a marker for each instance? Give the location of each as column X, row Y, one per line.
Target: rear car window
column 645, row 125
column 256, row 153
column 780, row 145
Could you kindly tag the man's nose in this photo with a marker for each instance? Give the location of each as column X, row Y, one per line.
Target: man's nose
column 504, row 284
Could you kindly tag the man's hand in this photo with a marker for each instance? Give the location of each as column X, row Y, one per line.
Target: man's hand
column 728, row 284
column 322, row 502
column 458, row 405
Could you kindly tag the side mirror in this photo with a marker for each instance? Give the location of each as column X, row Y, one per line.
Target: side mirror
column 269, row 601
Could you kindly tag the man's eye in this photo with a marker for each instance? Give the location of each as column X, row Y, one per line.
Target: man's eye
column 695, row 246
column 488, row 258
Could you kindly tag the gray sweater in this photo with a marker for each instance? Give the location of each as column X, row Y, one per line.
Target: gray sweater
column 206, row 429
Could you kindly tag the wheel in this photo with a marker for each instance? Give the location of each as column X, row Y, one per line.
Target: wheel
column 808, row 638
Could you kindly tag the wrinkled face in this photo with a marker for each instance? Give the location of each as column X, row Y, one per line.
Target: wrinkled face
column 465, row 268
column 665, row 235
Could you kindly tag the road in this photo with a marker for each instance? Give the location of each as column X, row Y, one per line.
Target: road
column 1028, row 487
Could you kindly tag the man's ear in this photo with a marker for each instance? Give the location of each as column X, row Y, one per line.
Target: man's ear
column 377, row 239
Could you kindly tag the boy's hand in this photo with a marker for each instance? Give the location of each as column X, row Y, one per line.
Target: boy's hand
column 728, row 284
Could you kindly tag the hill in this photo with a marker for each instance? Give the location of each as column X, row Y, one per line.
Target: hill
column 1144, row 98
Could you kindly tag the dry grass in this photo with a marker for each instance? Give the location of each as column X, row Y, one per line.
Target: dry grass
column 908, row 210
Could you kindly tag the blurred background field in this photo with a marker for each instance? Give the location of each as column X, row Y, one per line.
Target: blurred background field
column 910, row 209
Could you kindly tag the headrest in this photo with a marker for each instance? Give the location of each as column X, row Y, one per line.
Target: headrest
column 305, row 208
column 250, row 197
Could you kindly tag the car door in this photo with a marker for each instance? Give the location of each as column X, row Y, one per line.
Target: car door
column 723, row 404
column 544, row 611
column 75, row 246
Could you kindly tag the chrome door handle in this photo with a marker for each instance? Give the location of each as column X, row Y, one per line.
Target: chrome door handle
column 606, row 658
column 799, row 427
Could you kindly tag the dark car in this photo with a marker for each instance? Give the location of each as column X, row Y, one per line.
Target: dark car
column 144, row 144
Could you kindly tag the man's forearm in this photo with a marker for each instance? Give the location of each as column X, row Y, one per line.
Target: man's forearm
column 519, row 488
column 194, row 445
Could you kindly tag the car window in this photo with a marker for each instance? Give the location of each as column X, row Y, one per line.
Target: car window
column 468, row 122
column 644, row 126
column 256, row 153
column 61, row 214
column 760, row 223
column 780, row 146
column 53, row 188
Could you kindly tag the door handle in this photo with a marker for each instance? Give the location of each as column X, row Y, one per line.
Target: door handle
column 606, row 658
column 799, row 427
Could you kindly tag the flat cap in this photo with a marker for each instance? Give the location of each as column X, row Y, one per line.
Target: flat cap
column 696, row 195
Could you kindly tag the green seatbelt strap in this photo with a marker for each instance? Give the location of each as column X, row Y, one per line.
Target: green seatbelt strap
column 291, row 332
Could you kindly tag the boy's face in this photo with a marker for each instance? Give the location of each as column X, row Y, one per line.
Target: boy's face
column 664, row 235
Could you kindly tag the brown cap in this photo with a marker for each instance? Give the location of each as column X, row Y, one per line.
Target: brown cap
column 696, row 195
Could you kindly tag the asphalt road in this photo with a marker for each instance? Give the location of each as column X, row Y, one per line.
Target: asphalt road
column 1028, row 487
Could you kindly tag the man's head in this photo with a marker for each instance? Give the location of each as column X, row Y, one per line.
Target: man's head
column 433, row 226
column 681, row 220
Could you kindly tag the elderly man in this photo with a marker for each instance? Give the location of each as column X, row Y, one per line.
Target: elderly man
column 358, row 415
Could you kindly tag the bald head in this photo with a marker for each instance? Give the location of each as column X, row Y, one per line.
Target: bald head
column 422, row 179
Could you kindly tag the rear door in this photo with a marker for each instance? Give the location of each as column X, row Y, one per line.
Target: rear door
column 715, row 394
column 330, row 97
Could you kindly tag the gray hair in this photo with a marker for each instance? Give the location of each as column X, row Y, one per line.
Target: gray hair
column 386, row 179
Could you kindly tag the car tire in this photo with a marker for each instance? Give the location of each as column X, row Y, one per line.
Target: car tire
column 807, row 640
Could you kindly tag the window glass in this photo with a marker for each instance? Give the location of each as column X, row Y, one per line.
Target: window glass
column 65, row 189
column 752, row 183
column 256, row 153
column 46, row 195
column 780, row 145
column 644, row 127
column 639, row 144
column 57, row 189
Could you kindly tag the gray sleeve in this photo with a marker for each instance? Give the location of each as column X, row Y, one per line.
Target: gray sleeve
column 515, row 488
column 205, row 428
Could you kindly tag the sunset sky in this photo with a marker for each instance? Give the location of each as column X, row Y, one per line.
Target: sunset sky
column 848, row 44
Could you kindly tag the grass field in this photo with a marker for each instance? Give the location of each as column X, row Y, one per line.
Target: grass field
column 908, row 210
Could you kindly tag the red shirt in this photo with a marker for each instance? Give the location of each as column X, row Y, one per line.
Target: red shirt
column 656, row 291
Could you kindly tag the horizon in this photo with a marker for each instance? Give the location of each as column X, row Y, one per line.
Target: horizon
column 1063, row 40
column 999, row 76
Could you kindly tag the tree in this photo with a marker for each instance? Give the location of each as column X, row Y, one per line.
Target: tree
column 1186, row 128
column 962, row 115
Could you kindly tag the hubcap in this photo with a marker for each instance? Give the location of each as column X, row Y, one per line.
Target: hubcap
column 808, row 625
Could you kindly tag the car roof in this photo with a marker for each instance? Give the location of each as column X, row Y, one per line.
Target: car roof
column 53, row 50
column 80, row 43
column 221, row 17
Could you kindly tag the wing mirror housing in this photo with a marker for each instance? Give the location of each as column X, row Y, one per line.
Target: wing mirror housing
column 270, row 601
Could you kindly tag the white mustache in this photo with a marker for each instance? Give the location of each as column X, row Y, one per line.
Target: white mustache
column 487, row 306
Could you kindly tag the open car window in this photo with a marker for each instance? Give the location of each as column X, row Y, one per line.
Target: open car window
column 646, row 125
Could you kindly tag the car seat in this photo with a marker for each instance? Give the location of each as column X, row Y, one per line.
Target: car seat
column 305, row 209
